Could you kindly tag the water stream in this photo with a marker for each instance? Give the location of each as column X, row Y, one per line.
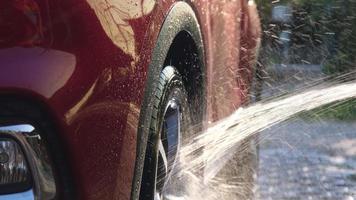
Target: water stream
column 303, row 42
column 205, row 168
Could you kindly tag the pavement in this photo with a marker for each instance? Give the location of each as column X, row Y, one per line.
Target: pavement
column 305, row 159
column 308, row 160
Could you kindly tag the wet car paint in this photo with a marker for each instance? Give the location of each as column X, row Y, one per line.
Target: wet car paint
column 92, row 81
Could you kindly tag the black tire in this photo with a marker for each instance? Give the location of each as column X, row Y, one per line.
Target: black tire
column 242, row 167
column 170, row 86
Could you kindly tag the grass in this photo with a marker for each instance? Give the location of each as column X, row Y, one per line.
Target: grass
column 342, row 111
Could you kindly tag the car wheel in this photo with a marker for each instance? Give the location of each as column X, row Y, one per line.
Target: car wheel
column 169, row 121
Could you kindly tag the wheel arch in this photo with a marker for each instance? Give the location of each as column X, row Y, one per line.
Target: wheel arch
column 180, row 25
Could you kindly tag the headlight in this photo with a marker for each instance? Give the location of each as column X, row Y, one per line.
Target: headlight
column 25, row 169
column 14, row 170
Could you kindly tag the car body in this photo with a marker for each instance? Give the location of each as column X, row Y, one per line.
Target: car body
column 85, row 64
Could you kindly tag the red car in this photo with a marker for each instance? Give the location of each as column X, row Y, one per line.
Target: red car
column 96, row 94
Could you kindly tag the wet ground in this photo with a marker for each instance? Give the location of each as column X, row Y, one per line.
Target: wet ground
column 308, row 160
column 305, row 158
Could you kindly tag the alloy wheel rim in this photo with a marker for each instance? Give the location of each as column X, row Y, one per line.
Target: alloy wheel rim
column 168, row 146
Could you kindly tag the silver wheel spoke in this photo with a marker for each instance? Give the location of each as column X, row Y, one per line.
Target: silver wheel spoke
column 169, row 138
column 157, row 196
column 163, row 155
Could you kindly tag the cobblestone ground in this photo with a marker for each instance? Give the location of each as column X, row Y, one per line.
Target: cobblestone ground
column 308, row 160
